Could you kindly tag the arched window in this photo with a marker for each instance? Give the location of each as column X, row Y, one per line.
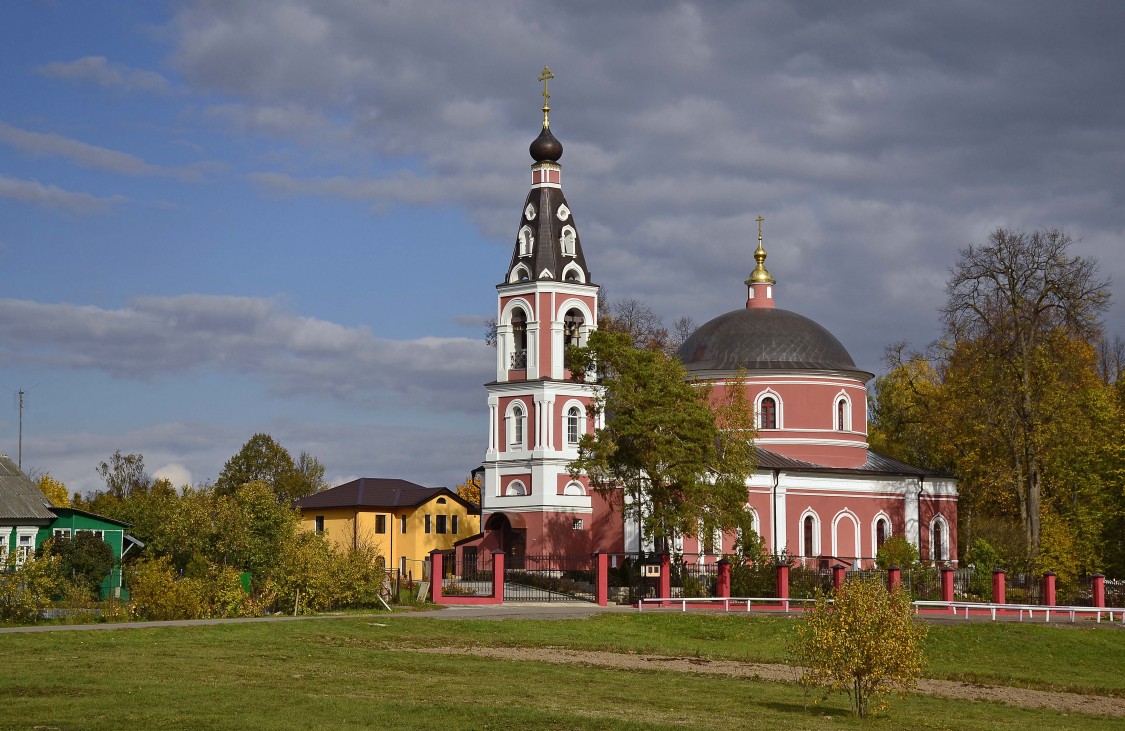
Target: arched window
column 572, row 273
column 882, row 533
column 767, row 413
column 939, row 539
column 842, row 416
column 573, row 424
column 515, row 487
column 574, row 488
column 517, row 425
column 809, row 531
column 519, row 339
column 568, row 238
column 526, row 241
column 572, row 327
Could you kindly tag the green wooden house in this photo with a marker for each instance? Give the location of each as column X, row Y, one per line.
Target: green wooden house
column 28, row 519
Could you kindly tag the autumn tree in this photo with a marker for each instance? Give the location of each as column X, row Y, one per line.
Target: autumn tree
column 1007, row 298
column 54, row 489
column 124, row 475
column 84, row 559
column 263, row 459
column 863, row 640
column 470, row 490
column 669, row 458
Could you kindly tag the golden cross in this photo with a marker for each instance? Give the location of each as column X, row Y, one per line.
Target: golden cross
column 544, row 77
column 760, row 219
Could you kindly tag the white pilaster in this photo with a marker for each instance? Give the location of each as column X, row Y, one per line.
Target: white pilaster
column 912, row 520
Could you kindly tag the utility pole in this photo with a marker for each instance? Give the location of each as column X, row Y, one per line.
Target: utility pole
column 19, row 455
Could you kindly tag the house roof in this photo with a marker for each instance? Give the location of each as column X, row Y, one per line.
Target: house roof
column 67, row 512
column 20, row 499
column 876, row 463
column 378, row 492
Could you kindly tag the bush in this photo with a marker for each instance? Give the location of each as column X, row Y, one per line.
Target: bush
column 897, row 551
column 30, row 587
column 84, row 558
column 865, row 642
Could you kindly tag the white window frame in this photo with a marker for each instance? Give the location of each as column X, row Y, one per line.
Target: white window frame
column 836, row 520
column 517, row 424
column 880, row 516
column 844, row 425
column 568, row 236
column 526, row 241
column 816, row 549
column 778, row 403
column 515, row 488
column 574, row 488
column 940, row 523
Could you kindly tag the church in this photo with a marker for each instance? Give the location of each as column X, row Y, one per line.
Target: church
column 819, row 495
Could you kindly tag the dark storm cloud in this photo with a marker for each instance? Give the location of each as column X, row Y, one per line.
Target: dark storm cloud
column 876, row 138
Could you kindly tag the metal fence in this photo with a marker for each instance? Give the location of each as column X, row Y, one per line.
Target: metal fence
column 550, row 578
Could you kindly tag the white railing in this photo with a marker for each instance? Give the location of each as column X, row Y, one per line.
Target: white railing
column 786, row 604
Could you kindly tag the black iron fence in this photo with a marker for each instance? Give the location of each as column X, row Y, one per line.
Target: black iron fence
column 550, row 578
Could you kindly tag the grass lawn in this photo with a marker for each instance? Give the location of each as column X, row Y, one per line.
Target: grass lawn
column 354, row 673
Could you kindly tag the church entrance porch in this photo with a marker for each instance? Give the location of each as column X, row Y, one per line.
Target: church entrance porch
column 508, row 535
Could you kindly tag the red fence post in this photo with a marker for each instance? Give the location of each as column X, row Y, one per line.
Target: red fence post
column 1049, row 589
column 498, row 576
column 783, row 581
column 946, row 584
column 838, row 574
column 665, row 576
column 601, row 578
column 436, row 572
column 723, row 581
column 894, row 578
column 1097, row 584
column 998, row 588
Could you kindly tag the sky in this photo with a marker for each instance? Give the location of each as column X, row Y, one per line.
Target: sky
column 289, row 216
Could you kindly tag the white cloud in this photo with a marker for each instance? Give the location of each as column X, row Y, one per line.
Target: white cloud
column 91, row 156
column 54, row 197
column 157, row 337
column 175, row 473
column 99, row 70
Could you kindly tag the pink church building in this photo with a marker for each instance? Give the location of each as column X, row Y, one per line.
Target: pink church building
column 819, row 494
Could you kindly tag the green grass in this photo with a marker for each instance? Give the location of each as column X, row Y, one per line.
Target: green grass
column 354, row 673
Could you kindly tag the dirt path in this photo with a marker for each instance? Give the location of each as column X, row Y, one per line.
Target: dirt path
column 1022, row 697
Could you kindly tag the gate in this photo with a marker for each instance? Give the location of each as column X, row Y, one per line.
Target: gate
column 550, row 579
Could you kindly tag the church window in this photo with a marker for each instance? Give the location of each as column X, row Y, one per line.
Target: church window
column 882, row 533
column 574, row 488
column 576, row 524
column 517, row 425
column 572, row 273
column 515, row 488
column 768, row 413
column 568, row 241
column 843, row 422
column 526, row 241
column 573, row 424
column 519, row 340
column 809, row 535
column 939, row 539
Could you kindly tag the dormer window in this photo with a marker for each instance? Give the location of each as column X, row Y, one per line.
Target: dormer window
column 569, row 237
column 526, row 241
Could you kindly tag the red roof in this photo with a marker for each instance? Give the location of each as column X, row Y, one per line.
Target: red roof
column 378, row 492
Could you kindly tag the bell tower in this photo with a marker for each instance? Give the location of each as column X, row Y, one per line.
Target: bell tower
column 537, row 409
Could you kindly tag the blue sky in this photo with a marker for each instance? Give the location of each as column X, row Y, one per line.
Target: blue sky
column 289, row 216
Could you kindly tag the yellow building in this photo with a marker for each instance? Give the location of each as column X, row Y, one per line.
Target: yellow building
column 402, row 520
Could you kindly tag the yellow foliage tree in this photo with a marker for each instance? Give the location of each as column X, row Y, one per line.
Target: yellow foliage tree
column 863, row 640
column 55, row 490
column 470, row 490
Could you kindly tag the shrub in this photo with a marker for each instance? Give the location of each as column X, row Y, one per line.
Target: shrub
column 84, row 558
column 865, row 642
column 897, row 551
column 29, row 587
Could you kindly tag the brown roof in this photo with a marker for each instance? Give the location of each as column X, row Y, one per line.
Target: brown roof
column 378, row 492
column 20, row 499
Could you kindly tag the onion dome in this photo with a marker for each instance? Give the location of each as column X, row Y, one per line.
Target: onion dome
column 545, row 147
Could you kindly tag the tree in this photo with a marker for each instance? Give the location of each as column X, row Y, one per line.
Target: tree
column 263, row 459
column 83, row 558
column 124, row 475
column 54, row 489
column 1006, row 298
column 470, row 489
column 897, row 551
column 671, row 460
column 864, row 641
